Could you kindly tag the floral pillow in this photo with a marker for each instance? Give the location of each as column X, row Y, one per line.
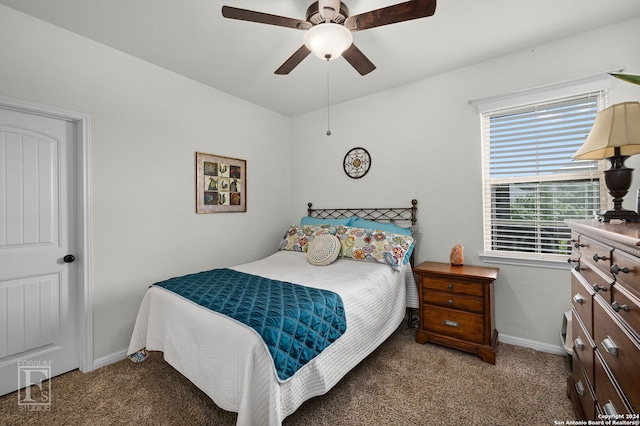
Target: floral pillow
column 389, row 227
column 374, row 245
column 298, row 237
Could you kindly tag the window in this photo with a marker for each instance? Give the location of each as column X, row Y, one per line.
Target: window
column 531, row 184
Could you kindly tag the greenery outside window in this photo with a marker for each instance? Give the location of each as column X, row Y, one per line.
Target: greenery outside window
column 531, row 184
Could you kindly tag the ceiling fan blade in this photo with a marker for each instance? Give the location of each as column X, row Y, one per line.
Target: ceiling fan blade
column 356, row 58
column 293, row 61
column 401, row 12
column 264, row 18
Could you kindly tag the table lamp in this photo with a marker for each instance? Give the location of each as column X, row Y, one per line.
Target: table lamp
column 615, row 135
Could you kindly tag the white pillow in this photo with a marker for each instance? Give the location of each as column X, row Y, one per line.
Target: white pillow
column 323, row 250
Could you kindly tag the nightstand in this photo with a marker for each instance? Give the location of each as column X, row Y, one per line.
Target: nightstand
column 456, row 307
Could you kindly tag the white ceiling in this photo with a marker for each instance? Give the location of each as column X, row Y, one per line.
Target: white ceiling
column 193, row 39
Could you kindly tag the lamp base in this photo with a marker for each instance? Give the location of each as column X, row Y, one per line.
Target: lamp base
column 618, row 180
column 620, row 214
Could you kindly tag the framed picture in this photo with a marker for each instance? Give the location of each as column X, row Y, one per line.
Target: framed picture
column 221, row 184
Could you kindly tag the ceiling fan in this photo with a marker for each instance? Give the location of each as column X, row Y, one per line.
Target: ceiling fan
column 328, row 28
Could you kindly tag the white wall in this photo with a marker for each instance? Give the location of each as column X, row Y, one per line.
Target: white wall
column 146, row 125
column 424, row 139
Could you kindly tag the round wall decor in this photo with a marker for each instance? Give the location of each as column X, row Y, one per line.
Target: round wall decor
column 356, row 163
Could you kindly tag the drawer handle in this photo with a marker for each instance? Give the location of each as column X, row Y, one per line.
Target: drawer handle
column 570, row 260
column 578, row 268
column 451, row 323
column 450, row 286
column 610, row 347
column 579, row 388
column 578, row 245
column 451, row 301
column 616, row 307
column 609, row 409
column 578, row 299
column 615, row 269
column 598, row 288
column 578, row 343
column 596, row 257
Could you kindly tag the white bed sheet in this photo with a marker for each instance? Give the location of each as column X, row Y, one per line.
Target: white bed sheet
column 230, row 362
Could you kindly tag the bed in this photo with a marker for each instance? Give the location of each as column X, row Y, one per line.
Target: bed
column 230, row 361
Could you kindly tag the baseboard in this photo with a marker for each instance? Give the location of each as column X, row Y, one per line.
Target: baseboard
column 538, row 346
column 109, row 359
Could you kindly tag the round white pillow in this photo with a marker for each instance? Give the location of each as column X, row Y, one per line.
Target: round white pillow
column 323, row 250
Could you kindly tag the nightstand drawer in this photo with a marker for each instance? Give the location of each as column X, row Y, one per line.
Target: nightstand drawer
column 470, row 289
column 450, row 322
column 454, row 301
column 456, row 307
column 620, row 350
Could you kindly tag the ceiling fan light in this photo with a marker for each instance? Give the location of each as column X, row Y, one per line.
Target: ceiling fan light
column 328, row 41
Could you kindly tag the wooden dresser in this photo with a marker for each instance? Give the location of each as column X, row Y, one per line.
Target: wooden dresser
column 605, row 293
column 456, row 307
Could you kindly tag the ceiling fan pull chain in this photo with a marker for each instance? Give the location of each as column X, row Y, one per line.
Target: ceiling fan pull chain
column 328, row 103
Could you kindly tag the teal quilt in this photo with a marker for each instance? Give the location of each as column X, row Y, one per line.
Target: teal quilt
column 295, row 322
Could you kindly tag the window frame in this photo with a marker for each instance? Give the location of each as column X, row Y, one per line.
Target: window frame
column 601, row 82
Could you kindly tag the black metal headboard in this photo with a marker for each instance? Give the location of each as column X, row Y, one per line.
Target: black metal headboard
column 395, row 215
column 391, row 214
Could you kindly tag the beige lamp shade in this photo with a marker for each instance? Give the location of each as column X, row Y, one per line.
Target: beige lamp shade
column 617, row 126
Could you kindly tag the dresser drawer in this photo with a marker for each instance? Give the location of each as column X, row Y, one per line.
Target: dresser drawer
column 582, row 300
column 607, row 255
column 583, row 346
column 628, row 268
column 450, row 322
column 454, row 300
column 609, row 399
column 575, row 241
column 619, row 349
column 597, row 252
column 575, row 248
column 596, row 278
column 470, row 289
column 627, row 305
column 584, row 390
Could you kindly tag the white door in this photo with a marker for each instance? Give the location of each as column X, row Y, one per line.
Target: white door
column 38, row 209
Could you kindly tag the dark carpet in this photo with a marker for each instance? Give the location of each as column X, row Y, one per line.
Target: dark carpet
column 401, row 383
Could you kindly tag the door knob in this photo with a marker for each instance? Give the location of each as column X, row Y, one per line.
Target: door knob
column 69, row 258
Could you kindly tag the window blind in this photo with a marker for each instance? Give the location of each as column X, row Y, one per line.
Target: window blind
column 531, row 183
